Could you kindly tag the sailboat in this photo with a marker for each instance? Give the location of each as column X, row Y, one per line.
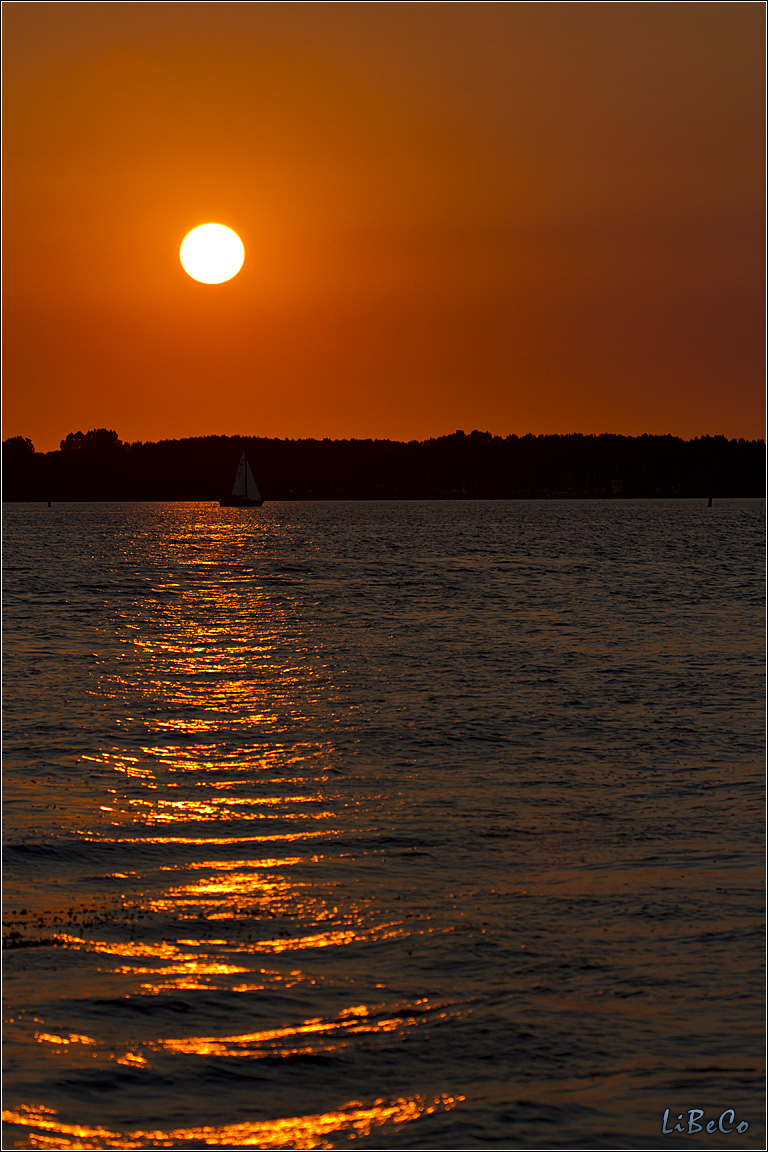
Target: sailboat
column 245, row 494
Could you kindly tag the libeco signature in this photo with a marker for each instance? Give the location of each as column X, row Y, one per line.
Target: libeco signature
column 726, row 1122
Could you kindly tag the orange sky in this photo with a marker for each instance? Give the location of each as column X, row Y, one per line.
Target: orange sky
column 513, row 217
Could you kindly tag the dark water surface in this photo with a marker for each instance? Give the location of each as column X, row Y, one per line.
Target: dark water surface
column 398, row 825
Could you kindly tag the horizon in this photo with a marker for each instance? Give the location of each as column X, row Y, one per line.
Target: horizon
column 389, row 439
column 543, row 217
column 98, row 465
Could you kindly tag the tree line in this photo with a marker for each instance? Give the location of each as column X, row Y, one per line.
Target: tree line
column 97, row 465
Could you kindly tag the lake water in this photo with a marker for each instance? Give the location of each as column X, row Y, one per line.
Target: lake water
column 394, row 825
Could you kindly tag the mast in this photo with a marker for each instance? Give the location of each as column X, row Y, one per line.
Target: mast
column 245, row 458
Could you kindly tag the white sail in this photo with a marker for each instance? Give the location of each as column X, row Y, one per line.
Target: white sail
column 238, row 488
column 252, row 491
column 245, row 485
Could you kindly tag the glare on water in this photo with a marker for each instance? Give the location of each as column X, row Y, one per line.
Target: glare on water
column 420, row 824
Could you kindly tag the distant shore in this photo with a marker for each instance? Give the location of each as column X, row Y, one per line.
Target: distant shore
column 97, row 465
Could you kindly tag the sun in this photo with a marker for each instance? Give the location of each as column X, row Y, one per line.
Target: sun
column 212, row 253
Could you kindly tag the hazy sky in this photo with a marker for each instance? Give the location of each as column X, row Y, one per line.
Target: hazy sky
column 513, row 217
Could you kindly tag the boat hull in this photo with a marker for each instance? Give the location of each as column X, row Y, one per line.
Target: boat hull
column 240, row 502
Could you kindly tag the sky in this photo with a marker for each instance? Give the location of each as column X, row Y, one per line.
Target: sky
column 514, row 217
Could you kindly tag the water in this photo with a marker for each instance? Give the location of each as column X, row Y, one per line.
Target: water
column 413, row 825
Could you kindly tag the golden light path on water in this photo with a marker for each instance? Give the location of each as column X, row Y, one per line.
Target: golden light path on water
column 224, row 758
column 316, row 1035
column 353, row 1119
column 292, row 870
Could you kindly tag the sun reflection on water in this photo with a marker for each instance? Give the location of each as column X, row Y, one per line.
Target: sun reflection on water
column 212, row 841
column 218, row 732
column 330, row 1034
column 352, row 1120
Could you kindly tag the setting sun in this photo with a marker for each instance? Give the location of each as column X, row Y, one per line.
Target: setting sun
column 212, row 253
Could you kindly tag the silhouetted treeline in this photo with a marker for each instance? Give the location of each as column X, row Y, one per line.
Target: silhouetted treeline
column 97, row 465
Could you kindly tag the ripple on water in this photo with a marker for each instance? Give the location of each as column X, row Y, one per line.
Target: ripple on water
column 423, row 825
